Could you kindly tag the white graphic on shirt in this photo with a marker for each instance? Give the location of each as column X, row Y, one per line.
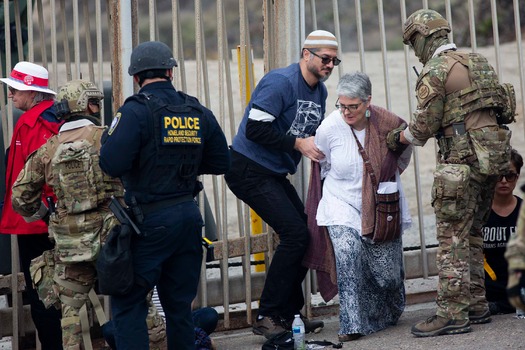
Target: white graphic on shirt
column 497, row 237
column 307, row 119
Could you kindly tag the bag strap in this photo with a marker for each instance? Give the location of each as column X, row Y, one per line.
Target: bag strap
column 325, row 343
column 366, row 160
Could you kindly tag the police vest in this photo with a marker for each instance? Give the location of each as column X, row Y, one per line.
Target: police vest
column 485, row 92
column 78, row 181
column 174, row 150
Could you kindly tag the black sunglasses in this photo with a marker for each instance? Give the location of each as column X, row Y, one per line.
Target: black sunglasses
column 325, row 59
column 509, row 177
column 12, row 90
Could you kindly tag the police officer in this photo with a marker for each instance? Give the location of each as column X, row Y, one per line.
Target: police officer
column 160, row 140
column 68, row 163
column 461, row 104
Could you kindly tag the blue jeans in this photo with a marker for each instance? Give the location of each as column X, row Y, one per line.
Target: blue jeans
column 167, row 254
column 205, row 318
column 276, row 201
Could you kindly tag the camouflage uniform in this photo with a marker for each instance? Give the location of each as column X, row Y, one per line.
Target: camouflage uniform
column 459, row 216
column 82, row 218
column 459, row 103
column 156, row 326
column 515, row 255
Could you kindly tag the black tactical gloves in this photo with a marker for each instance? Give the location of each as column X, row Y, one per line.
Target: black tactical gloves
column 392, row 139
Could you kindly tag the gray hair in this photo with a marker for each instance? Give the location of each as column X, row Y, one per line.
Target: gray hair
column 43, row 96
column 355, row 85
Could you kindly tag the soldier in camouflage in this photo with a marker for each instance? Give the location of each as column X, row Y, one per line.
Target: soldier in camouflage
column 68, row 163
column 515, row 255
column 462, row 104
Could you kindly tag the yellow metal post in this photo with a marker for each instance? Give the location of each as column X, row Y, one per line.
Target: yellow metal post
column 256, row 222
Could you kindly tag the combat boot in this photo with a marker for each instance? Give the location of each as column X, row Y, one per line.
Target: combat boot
column 479, row 317
column 437, row 325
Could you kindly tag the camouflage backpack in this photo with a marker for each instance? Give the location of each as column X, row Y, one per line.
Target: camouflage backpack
column 78, row 182
column 80, row 186
column 72, row 167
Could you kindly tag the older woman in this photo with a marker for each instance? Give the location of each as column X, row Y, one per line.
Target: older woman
column 369, row 274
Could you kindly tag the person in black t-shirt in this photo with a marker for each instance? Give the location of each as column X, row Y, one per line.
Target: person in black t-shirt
column 500, row 226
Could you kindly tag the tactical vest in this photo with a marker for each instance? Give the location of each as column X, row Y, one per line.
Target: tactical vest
column 168, row 165
column 485, row 92
column 78, row 182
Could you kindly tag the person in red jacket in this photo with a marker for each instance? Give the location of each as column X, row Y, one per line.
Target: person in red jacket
column 29, row 90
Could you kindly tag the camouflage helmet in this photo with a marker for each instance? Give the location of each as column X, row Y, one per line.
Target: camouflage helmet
column 73, row 97
column 424, row 22
column 151, row 55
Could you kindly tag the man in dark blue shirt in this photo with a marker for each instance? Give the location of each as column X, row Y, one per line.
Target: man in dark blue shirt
column 160, row 140
column 277, row 129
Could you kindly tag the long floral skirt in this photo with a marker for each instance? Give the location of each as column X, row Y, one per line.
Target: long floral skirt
column 370, row 279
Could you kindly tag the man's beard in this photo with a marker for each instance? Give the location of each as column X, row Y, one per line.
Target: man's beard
column 321, row 78
column 325, row 78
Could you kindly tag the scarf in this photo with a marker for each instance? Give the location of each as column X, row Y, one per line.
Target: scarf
column 320, row 254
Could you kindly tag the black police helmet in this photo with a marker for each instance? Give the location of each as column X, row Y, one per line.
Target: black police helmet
column 151, row 55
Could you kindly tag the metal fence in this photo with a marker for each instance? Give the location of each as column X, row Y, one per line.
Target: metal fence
column 222, row 48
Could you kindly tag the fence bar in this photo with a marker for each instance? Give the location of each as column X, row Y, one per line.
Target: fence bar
column 42, row 32
column 384, row 53
column 415, row 151
column 54, row 51
column 360, row 40
column 100, row 61
column 30, row 37
column 517, row 26
column 76, row 39
column 65, row 40
column 89, row 47
column 472, row 22
column 494, row 13
column 340, row 68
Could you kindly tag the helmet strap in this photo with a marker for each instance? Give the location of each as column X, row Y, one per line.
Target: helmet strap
column 94, row 118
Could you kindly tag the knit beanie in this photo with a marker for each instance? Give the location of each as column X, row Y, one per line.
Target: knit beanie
column 319, row 39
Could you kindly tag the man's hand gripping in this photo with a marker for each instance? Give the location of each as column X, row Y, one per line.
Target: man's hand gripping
column 308, row 148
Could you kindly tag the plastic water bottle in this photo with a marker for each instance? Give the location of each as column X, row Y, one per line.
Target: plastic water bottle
column 298, row 333
column 519, row 312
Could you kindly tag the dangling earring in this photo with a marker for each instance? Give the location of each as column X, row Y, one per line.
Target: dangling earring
column 367, row 114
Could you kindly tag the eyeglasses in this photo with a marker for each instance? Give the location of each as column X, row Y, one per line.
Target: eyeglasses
column 509, row 177
column 326, row 59
column 12, row 90
column 350, row 108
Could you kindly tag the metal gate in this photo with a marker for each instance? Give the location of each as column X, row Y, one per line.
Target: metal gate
column 223, row 47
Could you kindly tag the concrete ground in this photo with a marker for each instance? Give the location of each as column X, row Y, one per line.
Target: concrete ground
column 504, row 332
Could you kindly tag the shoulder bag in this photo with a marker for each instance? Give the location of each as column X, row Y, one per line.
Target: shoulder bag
column 387, row 223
